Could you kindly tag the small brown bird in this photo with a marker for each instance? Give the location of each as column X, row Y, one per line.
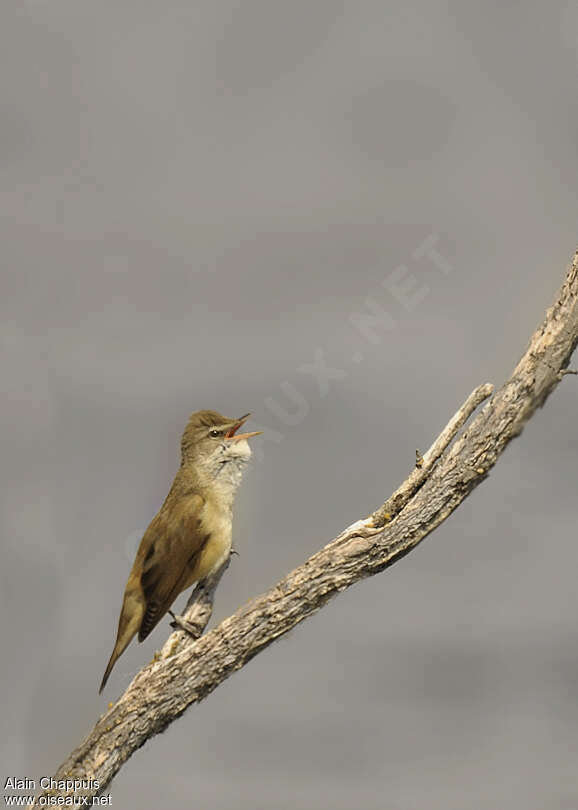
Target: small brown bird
column 190, row 537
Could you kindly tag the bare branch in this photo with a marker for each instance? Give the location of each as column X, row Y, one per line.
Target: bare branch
column 413, row 482
column 186, row 670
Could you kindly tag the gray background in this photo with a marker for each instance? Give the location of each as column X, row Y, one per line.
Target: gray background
column 195, row 199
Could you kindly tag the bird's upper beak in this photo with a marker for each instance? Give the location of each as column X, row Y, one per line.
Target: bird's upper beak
column 232, row 434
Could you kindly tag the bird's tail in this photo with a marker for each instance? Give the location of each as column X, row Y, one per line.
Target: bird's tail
column 128, row 625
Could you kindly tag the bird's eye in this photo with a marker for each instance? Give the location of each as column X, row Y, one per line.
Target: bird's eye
column 215, row 433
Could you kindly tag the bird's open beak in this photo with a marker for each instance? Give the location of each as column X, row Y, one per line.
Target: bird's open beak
column 232, row 434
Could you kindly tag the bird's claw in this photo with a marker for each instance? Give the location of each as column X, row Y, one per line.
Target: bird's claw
column 180, row 623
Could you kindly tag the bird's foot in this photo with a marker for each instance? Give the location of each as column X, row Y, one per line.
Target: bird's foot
column 180, row 623
column 234, row 551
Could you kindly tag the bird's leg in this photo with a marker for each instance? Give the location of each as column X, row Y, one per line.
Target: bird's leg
column 180, row 623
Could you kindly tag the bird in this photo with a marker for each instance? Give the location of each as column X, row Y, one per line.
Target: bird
column 190, row 537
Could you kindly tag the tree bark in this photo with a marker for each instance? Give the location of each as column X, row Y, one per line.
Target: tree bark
column 188, row 669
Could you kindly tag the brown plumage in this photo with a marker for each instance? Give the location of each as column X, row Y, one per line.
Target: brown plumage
column 190, row 536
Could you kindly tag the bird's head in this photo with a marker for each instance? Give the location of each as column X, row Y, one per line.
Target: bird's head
column 211, row 440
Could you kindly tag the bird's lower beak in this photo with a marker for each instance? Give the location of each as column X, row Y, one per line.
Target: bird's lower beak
column 232, row 434
column 240, row 436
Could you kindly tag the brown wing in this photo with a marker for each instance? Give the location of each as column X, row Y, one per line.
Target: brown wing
column 169, row 551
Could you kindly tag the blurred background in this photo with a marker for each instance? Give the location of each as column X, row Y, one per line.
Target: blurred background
column 343, row 217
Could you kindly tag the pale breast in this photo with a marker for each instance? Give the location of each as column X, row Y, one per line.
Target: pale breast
column 216, row 521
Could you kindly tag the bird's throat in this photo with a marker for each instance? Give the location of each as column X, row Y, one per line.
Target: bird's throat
column 223, row 470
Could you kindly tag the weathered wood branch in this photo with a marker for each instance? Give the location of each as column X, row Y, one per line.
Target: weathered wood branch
column 187, row 670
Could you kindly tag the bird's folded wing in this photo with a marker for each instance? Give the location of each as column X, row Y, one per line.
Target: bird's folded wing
column 170, row 549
